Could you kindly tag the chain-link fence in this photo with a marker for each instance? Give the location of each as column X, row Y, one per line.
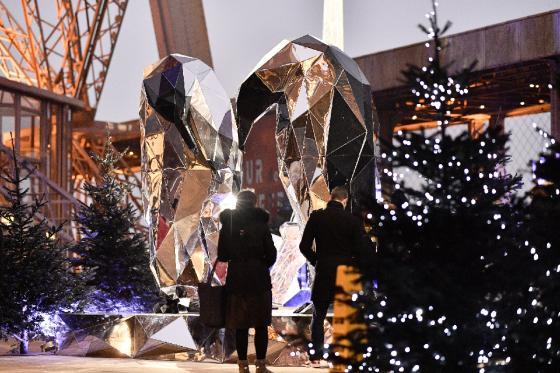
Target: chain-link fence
column 526, row 144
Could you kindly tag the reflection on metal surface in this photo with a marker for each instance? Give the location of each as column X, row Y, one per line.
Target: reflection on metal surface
column 325, row 136
column 325, row 126
column 181, row 337
column 289, row 273
column 190, row 166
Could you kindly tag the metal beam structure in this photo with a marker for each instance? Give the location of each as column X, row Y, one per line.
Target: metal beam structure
column 63, row 46
column 180, row 27
column 54, row 58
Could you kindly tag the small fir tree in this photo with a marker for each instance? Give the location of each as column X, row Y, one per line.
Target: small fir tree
column 111, row 250
column 35, row 280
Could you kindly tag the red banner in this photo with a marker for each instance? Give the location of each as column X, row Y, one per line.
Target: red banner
column 260, row 171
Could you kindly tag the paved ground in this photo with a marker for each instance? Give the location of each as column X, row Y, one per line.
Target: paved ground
column 67, row 364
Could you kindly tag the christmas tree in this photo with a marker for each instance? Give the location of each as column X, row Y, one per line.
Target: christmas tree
column 111, row 250
column 35, row 280
column 444, row 240
column 533, row 306
column 439, row 94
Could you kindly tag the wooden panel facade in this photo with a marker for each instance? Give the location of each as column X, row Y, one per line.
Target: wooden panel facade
column 509, row 43
column 516, row 73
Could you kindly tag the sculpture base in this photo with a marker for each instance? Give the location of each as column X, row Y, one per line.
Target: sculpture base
column 181, row 337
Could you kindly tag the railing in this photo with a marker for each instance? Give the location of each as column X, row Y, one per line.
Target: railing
column 61, row 206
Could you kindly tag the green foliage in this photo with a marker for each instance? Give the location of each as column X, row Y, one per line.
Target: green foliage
column 443, row 256
column 439, row 93
column 448, row 264
column 112, row 251
column 532, row 307
column 35, row 279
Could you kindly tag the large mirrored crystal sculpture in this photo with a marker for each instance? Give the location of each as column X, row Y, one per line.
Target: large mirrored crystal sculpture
column 325, row 121
column 190, row 167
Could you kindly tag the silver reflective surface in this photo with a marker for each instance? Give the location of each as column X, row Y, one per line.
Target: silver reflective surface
column 325, row 127
column 157, row 336
column 190, row 168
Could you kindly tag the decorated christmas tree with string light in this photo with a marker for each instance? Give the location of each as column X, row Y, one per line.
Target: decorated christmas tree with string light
column 533, row 304
column 444, row 241
column 439, row 93
column 111, row 250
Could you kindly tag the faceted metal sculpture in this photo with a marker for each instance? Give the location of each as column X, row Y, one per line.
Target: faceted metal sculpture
column 181, row 337
column 190, row 168
column 144, row 336
column 325, row 127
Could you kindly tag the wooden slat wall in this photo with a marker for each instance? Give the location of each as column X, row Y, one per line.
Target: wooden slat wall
column 508, row 43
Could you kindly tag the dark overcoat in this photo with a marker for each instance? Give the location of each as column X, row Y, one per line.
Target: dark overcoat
column 339, row 239
column 246, row 244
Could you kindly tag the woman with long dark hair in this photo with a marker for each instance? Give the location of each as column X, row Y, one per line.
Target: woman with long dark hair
column 246, row 245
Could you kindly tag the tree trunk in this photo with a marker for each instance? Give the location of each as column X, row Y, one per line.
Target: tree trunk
column 24, row 343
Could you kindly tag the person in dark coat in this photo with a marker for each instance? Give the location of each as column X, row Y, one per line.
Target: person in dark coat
column 246, row 244
column 338, row 240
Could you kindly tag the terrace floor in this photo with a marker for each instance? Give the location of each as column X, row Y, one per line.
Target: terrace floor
column 68, row 364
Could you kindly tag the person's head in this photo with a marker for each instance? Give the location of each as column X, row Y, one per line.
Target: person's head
column 246, row 199
column 340, row 194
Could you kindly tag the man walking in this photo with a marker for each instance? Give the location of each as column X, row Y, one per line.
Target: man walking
column 338, row 240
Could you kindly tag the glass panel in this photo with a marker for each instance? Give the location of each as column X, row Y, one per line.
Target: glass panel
column 30, row 104
column 7, row 117
column 30, row 139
